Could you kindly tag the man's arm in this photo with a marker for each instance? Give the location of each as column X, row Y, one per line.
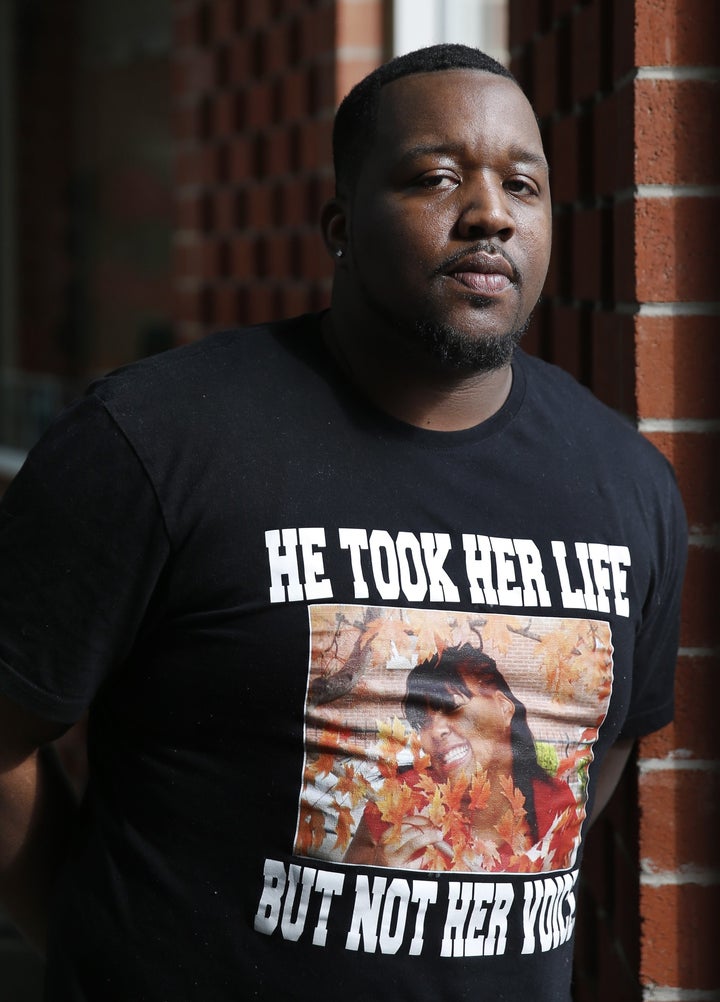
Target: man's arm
column 37, row 813
column 609, row 775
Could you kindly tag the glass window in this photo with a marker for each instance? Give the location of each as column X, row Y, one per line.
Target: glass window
column 483, row 23
column 85, row 201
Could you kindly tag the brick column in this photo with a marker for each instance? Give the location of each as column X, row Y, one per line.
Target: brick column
column 676, row 95
column 628, row 94
column 256, row 86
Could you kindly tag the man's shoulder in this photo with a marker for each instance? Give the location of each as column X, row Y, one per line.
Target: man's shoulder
column 556, row 398
column 217, row 363
column 559, row 387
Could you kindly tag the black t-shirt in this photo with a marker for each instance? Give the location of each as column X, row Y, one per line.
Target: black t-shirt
column 245, row 572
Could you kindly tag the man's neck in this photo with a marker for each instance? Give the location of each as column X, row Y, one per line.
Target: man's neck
column 412, row 387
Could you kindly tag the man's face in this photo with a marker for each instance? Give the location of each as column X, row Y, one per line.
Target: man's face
column 471, row 734
column 449, row 224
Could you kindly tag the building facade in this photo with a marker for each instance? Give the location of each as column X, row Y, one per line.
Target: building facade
column 163, row 167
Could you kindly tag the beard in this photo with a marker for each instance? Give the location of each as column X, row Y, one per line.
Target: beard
column 460, row 351
column 455, row 349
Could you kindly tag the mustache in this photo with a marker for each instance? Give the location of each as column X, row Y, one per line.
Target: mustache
column 481, row 247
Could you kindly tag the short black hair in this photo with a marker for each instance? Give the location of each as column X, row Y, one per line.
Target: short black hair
column 356, row 118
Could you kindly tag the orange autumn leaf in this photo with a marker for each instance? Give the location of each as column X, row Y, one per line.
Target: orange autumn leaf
column 598, row 670
column 344, row 828
column 353, row 784
column 454, row 792
column 393, row 731
column 436, row 810
column 496, row 633
column 479, row 791
column 564, row 837
column 323, row 765
column 458, row 834
column 472, row 855
column 427, row 784
column 326, row 749
column 525, row 864
column 393, row 740
column 311, row 831
column 560, row 657
column 395, row 801
column 385, row 634
column 512, row 829
column 514, row 796
column 604, row 690
column 429, row 630
column 421, row 759
column 435, row 858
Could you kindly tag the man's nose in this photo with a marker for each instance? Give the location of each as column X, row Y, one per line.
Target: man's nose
column 486, row 211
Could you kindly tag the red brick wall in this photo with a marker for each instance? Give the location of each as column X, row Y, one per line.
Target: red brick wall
column 677, row 115
column 629, row 95
column 256, row 86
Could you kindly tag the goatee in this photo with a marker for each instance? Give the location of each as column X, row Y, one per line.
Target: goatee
column 456, row 350
column 459, row 350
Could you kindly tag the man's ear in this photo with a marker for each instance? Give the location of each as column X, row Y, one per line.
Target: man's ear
column 334, row 224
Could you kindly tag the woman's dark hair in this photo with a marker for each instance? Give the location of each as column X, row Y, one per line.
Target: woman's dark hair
column 431, row 686
column 356, row 118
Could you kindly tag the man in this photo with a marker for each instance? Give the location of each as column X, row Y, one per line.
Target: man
column 232, row 553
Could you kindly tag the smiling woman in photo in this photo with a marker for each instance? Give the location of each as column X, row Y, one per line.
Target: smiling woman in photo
column 476, row 733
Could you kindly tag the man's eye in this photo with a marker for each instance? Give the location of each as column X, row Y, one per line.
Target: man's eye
column 435, row 181
column 521, row 186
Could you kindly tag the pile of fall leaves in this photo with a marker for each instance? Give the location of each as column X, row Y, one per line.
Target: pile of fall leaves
column 449, row 806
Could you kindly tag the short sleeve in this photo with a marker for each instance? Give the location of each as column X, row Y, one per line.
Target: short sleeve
column 82, row 544
column 656, row 646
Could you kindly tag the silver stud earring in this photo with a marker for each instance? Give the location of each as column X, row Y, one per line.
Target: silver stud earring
column 338, row 252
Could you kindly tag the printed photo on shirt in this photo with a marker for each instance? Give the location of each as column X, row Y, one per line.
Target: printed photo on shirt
column 449, row 741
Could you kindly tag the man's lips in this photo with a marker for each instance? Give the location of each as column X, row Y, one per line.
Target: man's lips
column 480, row 272
column 485, row 283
